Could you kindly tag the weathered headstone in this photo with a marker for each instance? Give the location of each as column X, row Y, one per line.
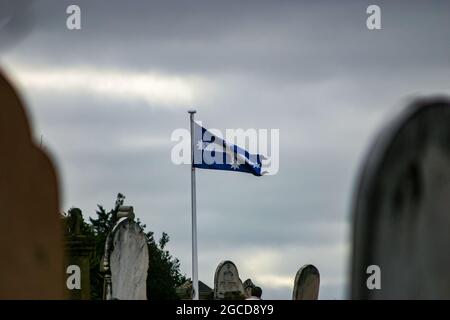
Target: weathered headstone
column 31, row 265
column 126, row 259
column 184, row 291
column 227, row 284
column 306, row 283
column 248, row 286
column 401, row 208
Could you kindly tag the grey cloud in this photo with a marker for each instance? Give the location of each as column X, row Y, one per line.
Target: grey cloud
column 284, row 41
column 16, row 22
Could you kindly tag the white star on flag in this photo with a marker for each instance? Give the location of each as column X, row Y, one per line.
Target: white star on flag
column 235, row 166
column 200, row 145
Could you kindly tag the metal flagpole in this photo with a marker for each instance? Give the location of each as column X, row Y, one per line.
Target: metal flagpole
column 195, row 292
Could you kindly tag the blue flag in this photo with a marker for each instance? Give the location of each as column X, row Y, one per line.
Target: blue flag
column 212, row 152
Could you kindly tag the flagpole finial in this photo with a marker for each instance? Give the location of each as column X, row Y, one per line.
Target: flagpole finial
column 191, row 111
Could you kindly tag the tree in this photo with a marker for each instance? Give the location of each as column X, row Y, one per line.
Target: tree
column 162, row 264
column 164, row 270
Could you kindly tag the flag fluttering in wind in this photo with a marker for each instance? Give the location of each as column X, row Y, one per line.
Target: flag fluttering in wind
column 209, row 151
column 212, row 152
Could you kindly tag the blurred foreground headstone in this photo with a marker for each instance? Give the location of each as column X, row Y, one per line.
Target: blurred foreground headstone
column 30, row 241
column 307, row 283
column 126, row 259
column 401, row 208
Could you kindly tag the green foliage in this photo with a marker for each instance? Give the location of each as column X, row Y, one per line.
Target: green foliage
column 164, row 270
column 162, row 287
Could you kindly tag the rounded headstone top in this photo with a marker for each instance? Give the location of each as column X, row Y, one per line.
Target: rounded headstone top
column 306, row 284
column 223, row 263
column 308, row 268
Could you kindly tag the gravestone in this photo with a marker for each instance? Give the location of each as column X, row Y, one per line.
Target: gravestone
column 184, row 291
column 248, row 286
column 78, row 249
column 126, row 259
column 31, row 265
column 306, row 283
column 227, row 284
column 401, row 208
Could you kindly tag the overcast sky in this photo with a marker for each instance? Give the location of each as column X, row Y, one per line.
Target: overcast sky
column 106, row 99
